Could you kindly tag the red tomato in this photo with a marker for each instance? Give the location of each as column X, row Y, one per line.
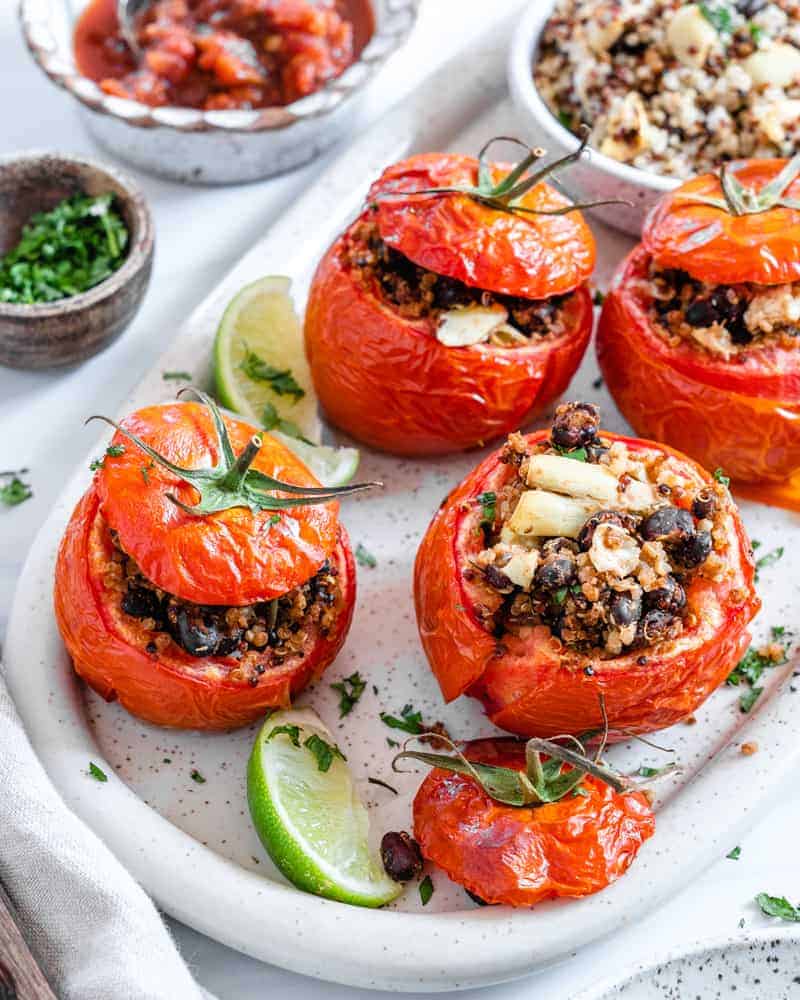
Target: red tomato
column 521, row 856
column 529, row 683
column 742, row 416
column 721, row 248
column 219, row 556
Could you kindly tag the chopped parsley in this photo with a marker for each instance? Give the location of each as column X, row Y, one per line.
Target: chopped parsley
column 197, row 777
column 176, row 376
column 749, row 698
column 15, row 491
column 756, row 33
column 382, row 784
column 565, row 118
column 145, row 471
column 426, row 890
column 113, row 451
column 280, row 380
column 735, row 854
column 324, row 752
column 650, row 772
column 751, row 667
column 274, row 518
column 777, row 906
column 350, row 690
column 599, row 297
column 293, row 732
column 65, row 251
column 364, row 557
column 579, row 454
column 97, row 772
column 391, row 742
column 769, row 559
column 410, row 721
column 271, row 420
column 720, row 477
column 488, row 502
column 718, row 16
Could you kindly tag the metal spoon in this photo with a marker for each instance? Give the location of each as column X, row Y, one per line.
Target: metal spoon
column 127, row 12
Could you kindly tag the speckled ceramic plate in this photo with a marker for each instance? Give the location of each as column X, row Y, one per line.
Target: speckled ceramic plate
column 765, row 965
column 191, row 845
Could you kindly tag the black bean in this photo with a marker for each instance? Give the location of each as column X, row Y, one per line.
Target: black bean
column 694, row 551
column 667, row 524
column 497, row 579
column 655, row 626
column 554, row 545
column 557, row 571
column 749, row 8
column 575, row 425
column 626, row 521
column 704, row 504
column 701, row 313
column 670, row 597
column 625, row 609
column 401, row 856
column 192, row 633
column 139, row 602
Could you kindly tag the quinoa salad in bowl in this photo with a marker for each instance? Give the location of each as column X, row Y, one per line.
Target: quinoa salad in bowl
column 675, row 88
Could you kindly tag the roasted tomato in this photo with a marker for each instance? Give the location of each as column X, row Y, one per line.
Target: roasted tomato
column 446, row 315
column 520, row 856
column 204, row 616
column 574, row 569
column 699, row 338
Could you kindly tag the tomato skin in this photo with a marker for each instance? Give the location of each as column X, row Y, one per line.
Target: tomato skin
column 744, row 418
column 530, row 686
column 172, row 688
column 388, row 382
column 522, row 856
column 724, row 249
column 533, row 256
column 233, row 557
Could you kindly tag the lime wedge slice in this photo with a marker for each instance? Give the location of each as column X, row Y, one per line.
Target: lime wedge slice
column 331, row 466
column 311, row 821
column 259, row 358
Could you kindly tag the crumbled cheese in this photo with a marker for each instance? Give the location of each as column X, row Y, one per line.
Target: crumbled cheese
column 773, row 308
column 521, row 566
column 715, row 339
column 778, row 65
column 613, row 550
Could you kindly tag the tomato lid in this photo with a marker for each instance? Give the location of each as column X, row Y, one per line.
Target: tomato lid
column 740, row 225
column 231, row 556
column 510, row 252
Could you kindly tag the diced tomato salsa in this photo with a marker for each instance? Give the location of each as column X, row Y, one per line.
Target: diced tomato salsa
column 223, row 54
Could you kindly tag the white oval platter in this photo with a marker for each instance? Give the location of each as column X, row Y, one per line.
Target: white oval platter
column 191, row 845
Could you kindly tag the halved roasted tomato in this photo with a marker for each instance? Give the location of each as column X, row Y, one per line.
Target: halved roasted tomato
column 204, row 576
column 454, row 308
column 699, row 338
column 576, row 575
column 521, row 855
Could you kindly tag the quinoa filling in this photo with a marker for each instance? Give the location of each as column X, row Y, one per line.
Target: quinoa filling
column 724, row 320
column 259, row 636
column 596, row 542
column 416, row 293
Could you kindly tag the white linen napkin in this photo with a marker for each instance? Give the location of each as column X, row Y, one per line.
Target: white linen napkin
column 92, row 928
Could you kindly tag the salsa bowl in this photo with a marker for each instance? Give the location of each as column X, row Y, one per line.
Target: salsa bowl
column 212, row 147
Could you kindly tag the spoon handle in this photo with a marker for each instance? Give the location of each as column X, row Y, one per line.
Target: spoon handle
column 20, row 975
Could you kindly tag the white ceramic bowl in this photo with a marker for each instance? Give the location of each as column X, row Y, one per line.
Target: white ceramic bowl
column 596, row 176
column 212, row 147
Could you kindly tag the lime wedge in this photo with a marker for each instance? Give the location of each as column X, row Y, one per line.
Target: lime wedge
column 311, row 821
column 259, row 358
column 331, row 466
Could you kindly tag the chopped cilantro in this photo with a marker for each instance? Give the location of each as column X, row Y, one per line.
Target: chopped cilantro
column 197, row 777
column 271, row 420
column 488, row 502
column 280, row 380
column 769, row 559
column 95, row 464
column 560, row 595
column 364, row 557
column 382, row 784
column 391, row 742
column 65, row 251
column 735, row 854
column 176, row 376
column 274, row 518
column 756, row 33
column 113, row 451
column 145, row 471
column 599, row 297
column 720, row 477
column 565, row 118
column 648, row 772
column 749, row 698
column 324, row 752
column 350, row 690
column 579, row 454
column 777, row 906
column 96, row 772
column 426, row 890
column 293, row 732
column 718, row 16
column 410, row 721
column 15, row 491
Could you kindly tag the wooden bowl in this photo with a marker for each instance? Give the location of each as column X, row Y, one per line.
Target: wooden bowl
column 69, row 330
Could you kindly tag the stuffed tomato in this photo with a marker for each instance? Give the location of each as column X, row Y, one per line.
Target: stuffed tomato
column 576, row 573
column 204, row 576
column 520, row 855
column 699, row 338
column 454, row 308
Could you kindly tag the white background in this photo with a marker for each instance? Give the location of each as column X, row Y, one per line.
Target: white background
column 200, row 233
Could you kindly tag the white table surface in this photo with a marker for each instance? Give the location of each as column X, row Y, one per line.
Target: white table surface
column 41, row 418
